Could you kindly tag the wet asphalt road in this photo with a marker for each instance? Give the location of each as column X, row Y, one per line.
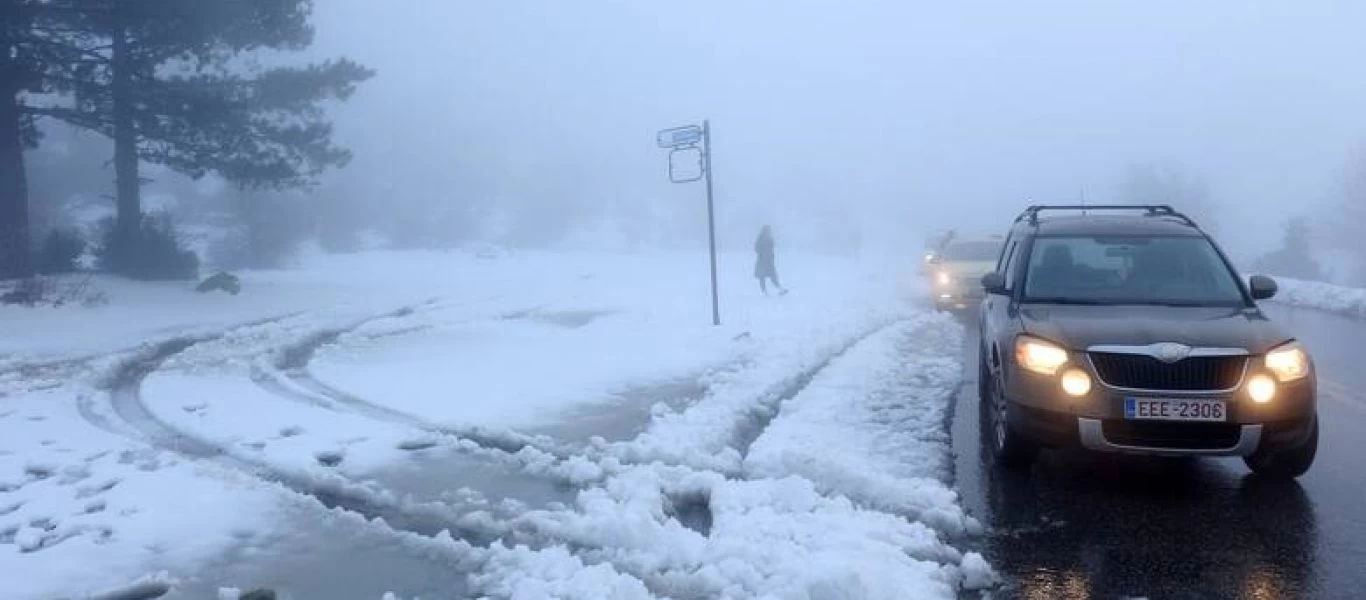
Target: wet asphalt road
column 1083, row 526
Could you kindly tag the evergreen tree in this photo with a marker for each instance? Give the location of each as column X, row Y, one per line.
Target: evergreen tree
column 1295, row 258
column 168, row 87
column 38, row 49
column 1347, row 222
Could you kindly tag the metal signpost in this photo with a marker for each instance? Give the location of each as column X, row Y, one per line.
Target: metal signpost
column 689, row 162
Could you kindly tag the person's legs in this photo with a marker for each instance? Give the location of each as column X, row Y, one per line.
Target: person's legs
column 763, row 285
column 776, row 283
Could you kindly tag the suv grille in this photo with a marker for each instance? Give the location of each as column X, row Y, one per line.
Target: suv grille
column 1196, row 373
column 1177, row 435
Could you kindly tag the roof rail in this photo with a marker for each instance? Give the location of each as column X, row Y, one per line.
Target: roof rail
column 1149, row 210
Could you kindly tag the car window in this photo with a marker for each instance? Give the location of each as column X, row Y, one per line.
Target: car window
column 1012, row 261
column 1004, row 254
column 1129, row 270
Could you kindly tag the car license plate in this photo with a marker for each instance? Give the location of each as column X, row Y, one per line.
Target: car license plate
column 1172, row 409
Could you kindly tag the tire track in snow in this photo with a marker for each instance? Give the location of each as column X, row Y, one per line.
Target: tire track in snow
column 694, row 510
column 292, row 362
column 503, row 441
column 768, row 410
column 338, row 493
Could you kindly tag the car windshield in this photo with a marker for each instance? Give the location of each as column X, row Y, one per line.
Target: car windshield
column 973, row 251
column 1184, row 270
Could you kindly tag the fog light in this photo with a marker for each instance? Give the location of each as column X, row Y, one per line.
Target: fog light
column 1261, row 388
column 1076, row 382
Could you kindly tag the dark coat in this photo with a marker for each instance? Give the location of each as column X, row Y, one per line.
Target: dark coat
column 763, row 263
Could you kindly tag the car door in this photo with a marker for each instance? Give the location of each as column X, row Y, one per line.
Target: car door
column 998, row 318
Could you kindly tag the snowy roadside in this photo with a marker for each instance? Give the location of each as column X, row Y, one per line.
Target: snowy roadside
column 686, row 461
column 843, row 494
column 871, row 425
column 1322, row 296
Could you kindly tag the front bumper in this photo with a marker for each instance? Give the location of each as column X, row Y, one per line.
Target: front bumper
column 1155, row 438
column 1096, row 421
column 1294, row 401
column 1091, row 432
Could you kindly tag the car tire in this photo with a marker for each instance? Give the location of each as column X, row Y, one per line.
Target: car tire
column 983, row 376
column 1008, row 448
column 1285, row 462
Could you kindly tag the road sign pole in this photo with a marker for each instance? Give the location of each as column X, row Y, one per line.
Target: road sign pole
column 683, row 142
column 711, row 223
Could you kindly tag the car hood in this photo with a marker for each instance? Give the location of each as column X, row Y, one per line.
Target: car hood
column 1080, row 327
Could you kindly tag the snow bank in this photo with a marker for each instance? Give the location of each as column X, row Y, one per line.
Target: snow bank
column 846, row 495
column 1322, row 296
column 742, row 397
column 872, row 424
column 523, row 574
column 777, row 538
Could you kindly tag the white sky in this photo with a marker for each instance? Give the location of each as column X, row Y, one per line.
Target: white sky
column 895, row 116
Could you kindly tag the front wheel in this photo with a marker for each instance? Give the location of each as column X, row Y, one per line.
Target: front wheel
column 1286, row 462
column 1008, row 448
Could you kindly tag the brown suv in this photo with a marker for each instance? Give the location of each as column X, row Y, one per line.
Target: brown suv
column 1126, row 329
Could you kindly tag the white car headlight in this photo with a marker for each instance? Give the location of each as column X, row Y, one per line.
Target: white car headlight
column 1288, row 362
column 1034, row 354
column 943, row 278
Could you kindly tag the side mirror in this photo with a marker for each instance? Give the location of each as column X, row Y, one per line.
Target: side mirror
column 995, row 283
column 1262, row 287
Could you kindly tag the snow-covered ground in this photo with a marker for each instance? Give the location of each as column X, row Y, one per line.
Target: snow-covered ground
column 1322, row 296
column 572, row 420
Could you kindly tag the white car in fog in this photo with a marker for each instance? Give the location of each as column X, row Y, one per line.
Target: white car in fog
column 956, row 270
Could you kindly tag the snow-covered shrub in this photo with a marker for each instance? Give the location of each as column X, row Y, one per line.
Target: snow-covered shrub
column 61, row 250
column 153, row 252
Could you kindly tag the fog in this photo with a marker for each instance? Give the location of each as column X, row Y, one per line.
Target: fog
column 850, row 124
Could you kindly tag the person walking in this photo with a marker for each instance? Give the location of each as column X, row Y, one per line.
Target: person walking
column 764, row 266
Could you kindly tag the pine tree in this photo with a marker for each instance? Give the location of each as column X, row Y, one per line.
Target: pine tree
column 16, row 75
column 1347, row 221
column 1295, row 258
column 168, row 87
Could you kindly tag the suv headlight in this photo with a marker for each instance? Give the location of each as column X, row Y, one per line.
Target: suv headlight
column 1288, row 362
column 1034, row 354
column 943, row 278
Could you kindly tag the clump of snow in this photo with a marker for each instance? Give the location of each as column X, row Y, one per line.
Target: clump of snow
column 154, row 585
column 977, row 574
column 520, row 573
column 1323, row 296
column 767, row 538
